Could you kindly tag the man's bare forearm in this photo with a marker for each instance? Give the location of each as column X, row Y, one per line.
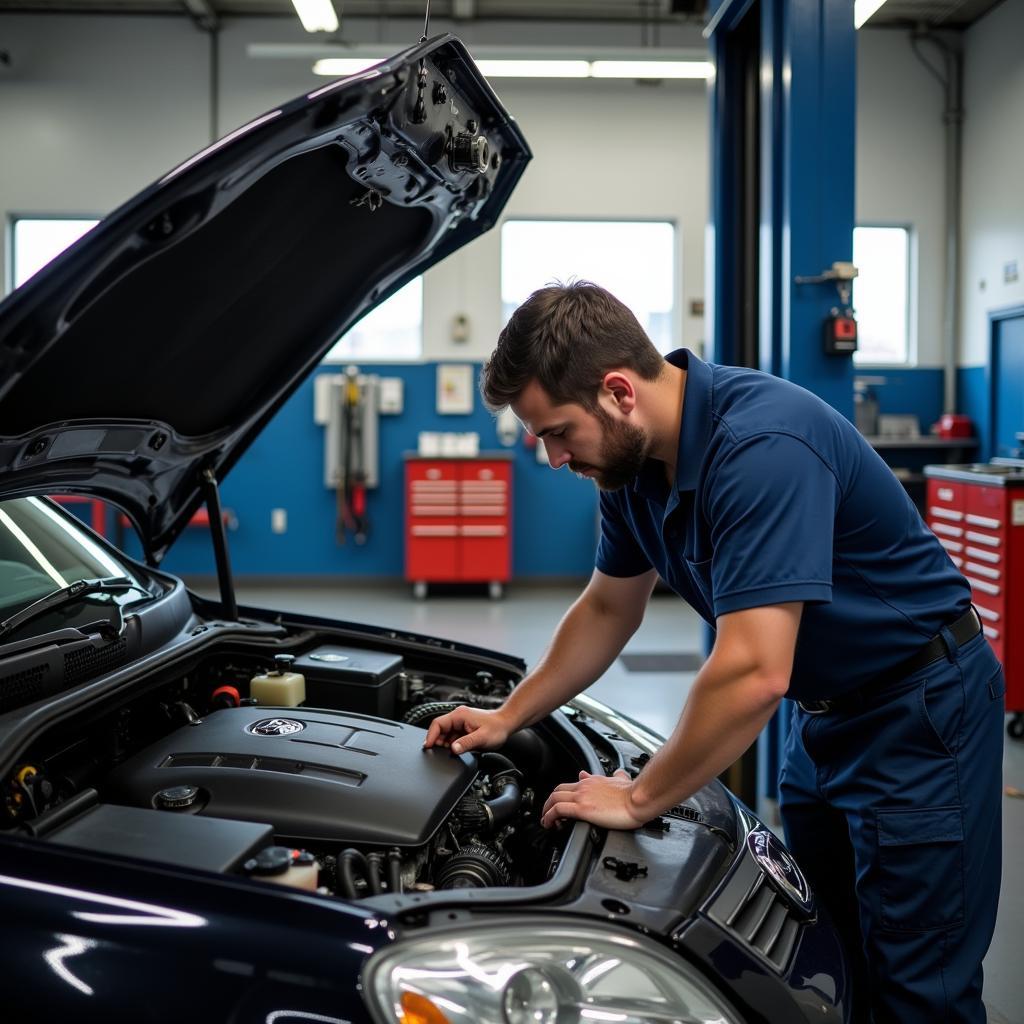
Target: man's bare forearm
column 588, row 639
column 729, row 704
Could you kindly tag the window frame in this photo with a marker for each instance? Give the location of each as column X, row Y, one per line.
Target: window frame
column 910, row 360
column 10, row 256
column 343, row 361
column 578, row 218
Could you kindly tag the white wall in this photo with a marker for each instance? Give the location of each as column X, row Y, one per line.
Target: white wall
column 901, row 169
column 96, row 107
column 993, row 173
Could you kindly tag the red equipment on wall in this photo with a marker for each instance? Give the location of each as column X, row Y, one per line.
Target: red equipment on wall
column 977, row 512
column 458, row 521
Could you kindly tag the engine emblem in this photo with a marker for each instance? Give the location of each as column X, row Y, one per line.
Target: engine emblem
column 275, row 727
column 778, row 864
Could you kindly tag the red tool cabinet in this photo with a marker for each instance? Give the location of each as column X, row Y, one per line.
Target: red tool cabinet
column 458, row 521
column 978, row 515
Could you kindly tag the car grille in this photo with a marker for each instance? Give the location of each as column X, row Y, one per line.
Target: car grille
column 763, row 920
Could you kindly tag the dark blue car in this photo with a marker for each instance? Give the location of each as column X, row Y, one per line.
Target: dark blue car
column 174, row 849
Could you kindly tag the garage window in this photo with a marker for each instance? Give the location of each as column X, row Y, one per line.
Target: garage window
column 37, row 240
column 393, row 332
column 881, row 295
column 634, row 260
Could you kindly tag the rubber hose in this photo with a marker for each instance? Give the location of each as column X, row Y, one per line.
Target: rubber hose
column 375, row 862
column 428, row 712
column 346, row 879
column 395, row 871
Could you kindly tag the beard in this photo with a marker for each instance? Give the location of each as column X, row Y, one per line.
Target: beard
column 624, row 449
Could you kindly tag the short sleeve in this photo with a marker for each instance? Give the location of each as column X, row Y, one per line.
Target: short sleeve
column 771, row 505
column 618, row 551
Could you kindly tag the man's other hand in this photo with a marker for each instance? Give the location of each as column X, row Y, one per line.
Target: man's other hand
column 599, row 799
column 468, row 729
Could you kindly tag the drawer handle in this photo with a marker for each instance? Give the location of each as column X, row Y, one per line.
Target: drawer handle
column 992, row 634
column 985, row 588
column 945, row 493
column 951, row 545
column 435, row 531
column 983, row 538
column 434, row 510
column 947, row 513
column 984, row 570
column 984, row 556
column 483, row 531
column 956, row 560
column 987, row 613
column 986, row 521
column 949, row 531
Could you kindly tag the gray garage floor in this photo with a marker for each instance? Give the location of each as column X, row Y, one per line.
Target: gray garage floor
column 522, row 622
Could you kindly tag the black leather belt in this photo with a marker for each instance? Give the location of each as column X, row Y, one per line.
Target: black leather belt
column 967, row 627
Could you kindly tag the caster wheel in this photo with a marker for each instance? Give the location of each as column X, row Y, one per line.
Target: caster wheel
column 419, row 590
column 495, row 589
column 1015, row 727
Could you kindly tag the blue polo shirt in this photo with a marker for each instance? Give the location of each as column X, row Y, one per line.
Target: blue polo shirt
column 778, row 498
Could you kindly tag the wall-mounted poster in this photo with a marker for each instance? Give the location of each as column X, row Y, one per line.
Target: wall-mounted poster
column 455, row 388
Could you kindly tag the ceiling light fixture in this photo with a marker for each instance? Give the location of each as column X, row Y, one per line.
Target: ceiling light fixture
column 864, row 9
column 338, row 61
column 316, row 15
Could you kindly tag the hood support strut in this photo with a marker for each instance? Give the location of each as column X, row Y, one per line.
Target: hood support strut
column 220, row 546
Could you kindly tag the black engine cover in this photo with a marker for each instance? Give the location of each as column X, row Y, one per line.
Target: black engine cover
column 316, row 776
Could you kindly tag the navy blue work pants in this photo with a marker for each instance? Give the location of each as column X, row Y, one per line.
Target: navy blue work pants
column 894, row 813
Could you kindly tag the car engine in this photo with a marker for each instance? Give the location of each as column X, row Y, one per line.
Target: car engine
column 335, row 795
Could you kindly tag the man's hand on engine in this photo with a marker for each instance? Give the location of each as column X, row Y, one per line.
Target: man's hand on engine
column 468, row 729
column 598, row 799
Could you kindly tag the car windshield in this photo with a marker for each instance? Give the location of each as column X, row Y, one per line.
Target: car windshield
column 43, row 550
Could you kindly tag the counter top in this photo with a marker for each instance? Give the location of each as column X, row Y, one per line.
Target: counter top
column 502, row 454
column 986, row 473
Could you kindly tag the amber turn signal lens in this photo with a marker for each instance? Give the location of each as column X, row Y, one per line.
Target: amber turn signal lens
column 417, row 1009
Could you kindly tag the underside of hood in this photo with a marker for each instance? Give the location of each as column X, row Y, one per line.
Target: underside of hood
column 150, row 354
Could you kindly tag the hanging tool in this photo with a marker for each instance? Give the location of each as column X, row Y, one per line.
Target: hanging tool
column 351, row 484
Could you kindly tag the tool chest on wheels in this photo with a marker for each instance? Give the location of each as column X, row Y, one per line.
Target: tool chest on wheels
column 977, row 512
column 458, row 521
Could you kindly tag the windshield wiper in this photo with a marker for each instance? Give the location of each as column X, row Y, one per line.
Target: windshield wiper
column 66, row 595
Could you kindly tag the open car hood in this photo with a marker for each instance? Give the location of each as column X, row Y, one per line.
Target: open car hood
column 152, row 352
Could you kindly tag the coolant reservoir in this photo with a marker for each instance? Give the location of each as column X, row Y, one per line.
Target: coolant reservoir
column 281, row 688
column 284, row 866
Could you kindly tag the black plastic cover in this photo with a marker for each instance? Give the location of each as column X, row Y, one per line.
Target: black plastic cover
column 165, row 836
column 350, row 679
column 316, row 775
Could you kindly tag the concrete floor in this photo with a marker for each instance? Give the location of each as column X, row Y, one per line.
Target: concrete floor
column 521, row 623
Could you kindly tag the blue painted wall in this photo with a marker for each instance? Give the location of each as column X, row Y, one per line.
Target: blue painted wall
column 554, row 513
column 972, row 387
column 910, row 391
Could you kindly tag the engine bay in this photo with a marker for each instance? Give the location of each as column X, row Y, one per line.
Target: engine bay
column 332, row 793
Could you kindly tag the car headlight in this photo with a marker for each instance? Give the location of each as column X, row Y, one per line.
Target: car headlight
column 538, row 972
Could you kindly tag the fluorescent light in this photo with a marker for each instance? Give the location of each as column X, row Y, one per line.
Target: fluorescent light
column 316, row 15
column 863, row 9
column 339, row 67
column 533, row 68
column 651, row 69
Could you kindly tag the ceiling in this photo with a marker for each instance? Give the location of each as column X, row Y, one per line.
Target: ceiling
column 953, row 14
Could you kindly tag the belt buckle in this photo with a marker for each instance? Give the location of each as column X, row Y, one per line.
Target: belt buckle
column 815, row 707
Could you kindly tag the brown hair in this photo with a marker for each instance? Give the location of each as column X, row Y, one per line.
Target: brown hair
column 567, row 337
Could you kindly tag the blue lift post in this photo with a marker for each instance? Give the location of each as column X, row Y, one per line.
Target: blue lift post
column 783, row 104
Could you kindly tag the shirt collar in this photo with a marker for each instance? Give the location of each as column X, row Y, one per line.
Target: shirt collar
column 694, row 431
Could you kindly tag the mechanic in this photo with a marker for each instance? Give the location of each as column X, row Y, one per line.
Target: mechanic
column 770, row 514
